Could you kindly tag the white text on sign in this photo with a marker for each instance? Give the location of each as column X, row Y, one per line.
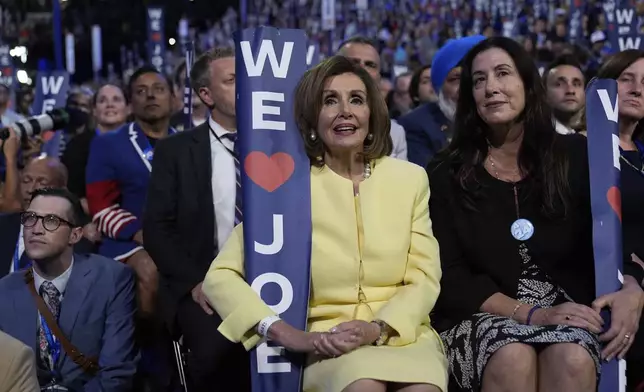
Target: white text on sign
column 261, row 111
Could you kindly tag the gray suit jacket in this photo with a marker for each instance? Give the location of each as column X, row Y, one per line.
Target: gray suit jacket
column 97, row 316
column 17, row 366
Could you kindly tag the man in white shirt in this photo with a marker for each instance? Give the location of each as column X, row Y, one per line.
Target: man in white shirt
column 363, row 52
column 565, row 87
column 189, row 218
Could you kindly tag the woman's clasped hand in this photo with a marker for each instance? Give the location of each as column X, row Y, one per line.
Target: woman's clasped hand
column 341, row 339
column 346, row 337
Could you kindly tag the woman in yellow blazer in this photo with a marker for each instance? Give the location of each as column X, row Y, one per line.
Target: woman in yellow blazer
column 375, row 269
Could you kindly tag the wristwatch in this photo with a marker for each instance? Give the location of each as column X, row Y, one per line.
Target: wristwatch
column 384, row 334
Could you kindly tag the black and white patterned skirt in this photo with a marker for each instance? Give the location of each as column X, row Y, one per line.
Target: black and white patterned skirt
column 471, row 343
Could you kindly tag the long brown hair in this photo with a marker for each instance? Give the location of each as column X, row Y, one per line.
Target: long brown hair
column 538, row 158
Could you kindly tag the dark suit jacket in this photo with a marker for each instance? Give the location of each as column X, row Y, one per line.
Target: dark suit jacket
column 179, row 220
column 425, row 128
column 97, row 315
column 9, row 232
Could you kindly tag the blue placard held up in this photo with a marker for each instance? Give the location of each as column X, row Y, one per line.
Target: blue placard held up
column 187, row 89
column 156, row 38
column 276, row 191
column 603, row 158
column 8, row 72
column 51, row 91
column 622, row 25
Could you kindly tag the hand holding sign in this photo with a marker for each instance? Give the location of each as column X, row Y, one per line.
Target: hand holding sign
column 626, row 309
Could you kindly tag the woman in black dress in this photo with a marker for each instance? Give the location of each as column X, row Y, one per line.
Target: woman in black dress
column 510, row 207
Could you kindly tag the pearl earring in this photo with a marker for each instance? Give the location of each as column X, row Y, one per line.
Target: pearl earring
column 370, row 136
column 313, row 136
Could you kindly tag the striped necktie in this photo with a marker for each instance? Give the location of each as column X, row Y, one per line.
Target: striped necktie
column 238, row 191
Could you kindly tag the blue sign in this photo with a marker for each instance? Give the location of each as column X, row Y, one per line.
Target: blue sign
column 8, row 71
column 53, row 146
column 187, row 89
column 575, row 32
column 51, row 91
column 603, row 160
column 156, row 38
column 276, row 191
column 622, row 25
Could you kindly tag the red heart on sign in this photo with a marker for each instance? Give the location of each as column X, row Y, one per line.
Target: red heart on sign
column 614, row 198
column 269, row 172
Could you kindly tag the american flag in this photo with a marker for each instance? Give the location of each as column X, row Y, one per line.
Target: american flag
column 187, row 93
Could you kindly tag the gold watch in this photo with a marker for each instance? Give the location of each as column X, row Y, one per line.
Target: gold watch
column 384, row 334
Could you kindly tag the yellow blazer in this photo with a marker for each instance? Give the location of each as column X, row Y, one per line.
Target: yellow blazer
column 17, row 366
column 387, row 227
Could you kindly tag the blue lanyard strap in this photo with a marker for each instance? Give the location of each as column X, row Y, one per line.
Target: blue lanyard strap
column 52, row 343
column 148, row 151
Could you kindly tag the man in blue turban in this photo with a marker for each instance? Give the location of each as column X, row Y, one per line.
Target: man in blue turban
column 428, row 126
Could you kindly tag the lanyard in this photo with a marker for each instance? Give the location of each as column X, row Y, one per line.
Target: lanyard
column 148, row 151
column 234, row 152
column 54, row 344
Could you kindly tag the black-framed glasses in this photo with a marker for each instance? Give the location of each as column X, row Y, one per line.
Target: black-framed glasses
column 50, row 222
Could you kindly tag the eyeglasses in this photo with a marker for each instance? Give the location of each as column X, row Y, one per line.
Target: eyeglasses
column 50, row 222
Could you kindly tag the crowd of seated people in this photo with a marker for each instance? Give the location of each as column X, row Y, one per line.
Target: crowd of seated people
column 130, row 239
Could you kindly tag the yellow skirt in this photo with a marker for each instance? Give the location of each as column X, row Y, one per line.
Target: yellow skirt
column 422, row 362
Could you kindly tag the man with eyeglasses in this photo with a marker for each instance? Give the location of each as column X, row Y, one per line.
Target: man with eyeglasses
column 89, row 297
column 40, row 172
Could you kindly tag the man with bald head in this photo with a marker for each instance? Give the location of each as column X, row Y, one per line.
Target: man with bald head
column 39, row 173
